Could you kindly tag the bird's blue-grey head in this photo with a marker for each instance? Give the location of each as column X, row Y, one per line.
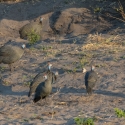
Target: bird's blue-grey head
column 56, row 73
column 83, row 70
column 92, row 67
column 49, row 66
column 41, row 19
column 23, row 46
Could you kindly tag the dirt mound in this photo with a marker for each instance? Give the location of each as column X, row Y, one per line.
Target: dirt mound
column 76, row 21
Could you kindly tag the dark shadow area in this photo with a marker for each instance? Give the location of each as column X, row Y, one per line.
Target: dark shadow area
column 71, row 90
column 109, row 93
column 75, row 90
column 7, row 90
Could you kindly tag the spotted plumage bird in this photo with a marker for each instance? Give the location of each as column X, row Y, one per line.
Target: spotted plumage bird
column 31, row 27
column 91, row 78
column 10, row 54
column 38, row 79
column 45, row 88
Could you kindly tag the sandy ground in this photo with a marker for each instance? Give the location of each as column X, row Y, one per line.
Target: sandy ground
column 68, row 53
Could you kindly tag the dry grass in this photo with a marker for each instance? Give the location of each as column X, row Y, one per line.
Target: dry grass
column 121, row 10
column 97, row 41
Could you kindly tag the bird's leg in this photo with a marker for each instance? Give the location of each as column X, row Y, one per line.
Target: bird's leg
column 11, row 67
column 45, row 100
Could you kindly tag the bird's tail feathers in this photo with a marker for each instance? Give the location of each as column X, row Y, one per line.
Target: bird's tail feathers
column 36, row 99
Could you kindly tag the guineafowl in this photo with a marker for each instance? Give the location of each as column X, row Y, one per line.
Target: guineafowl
column 10, row 54
column 44, row 88
column 31, row 27
column 38, row 79
column 90, row 80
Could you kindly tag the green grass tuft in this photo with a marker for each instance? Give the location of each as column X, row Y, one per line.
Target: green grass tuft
column 33, row 37
column 120, row 113
column 84, row 121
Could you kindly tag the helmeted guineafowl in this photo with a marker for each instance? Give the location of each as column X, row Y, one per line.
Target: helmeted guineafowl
column 10, row 54
column 90, row 80
column 31, row 27
column 38, row 79
column 44, row 88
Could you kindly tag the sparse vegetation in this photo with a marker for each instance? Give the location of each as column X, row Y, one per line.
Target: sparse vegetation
column 25, row 120
column 97, row 41
column 120, row 113
column 73, row 52
column 84, row 121
column 33, row 37
column 2, row 68
column 26, row 83
column 45, row 47
column 97, row 9
column 121, row 10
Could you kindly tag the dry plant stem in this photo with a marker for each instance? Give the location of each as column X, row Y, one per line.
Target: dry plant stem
column 52, row 101
column 114, row 17
column 121, row 10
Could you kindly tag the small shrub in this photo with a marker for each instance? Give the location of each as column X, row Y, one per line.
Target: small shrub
column 26, row 83
column 121, row 10
column 33, row 37
column 97, row 9
column 120, row 113
column 84, row 121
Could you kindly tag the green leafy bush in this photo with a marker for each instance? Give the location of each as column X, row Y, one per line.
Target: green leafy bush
column 120, row 113
column 84, row 121
column 33, row 37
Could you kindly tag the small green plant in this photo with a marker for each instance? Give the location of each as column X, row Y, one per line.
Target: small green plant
column 26, row 83
column 44, row 48
column 33, row 37
column 97, row 9
column 6, row 83
column 122, row 57
column 25, row 120
column 2, row 68
column 84, row 121
column 74, row 41
column 120, row 113
column 83, row 61
column 74, row 70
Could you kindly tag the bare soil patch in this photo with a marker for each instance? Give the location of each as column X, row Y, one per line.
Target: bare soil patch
column 75, row 34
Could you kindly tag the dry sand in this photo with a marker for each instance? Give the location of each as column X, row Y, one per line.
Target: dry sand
column 68, row 51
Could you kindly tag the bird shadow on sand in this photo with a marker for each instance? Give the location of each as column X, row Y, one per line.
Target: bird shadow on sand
column 110, row 93
column 7, row 90
column 69, row 90
column 82, row 90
